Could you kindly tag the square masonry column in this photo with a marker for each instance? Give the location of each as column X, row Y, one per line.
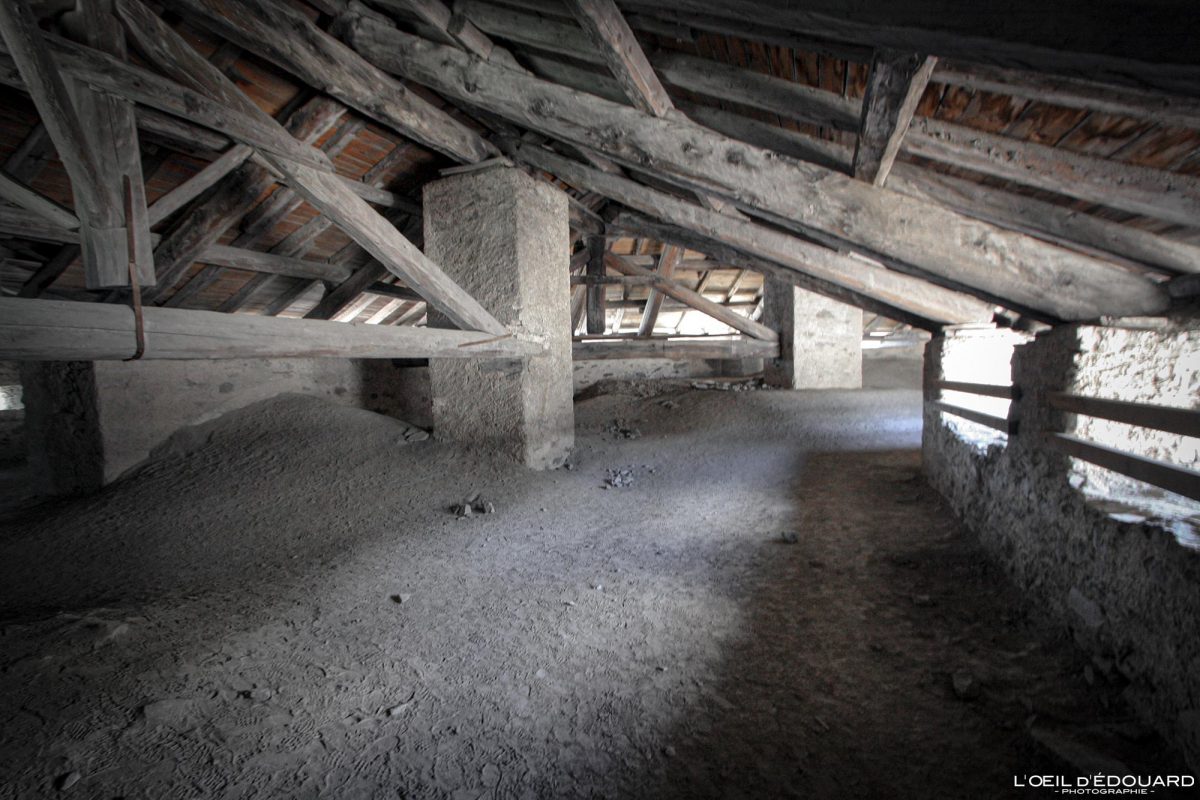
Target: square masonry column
column 503, row 236
column 820, row 339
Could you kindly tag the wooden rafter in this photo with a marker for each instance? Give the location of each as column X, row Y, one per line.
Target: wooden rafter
column 668, row 260
column 604, row 24
column 928, row 237
column 894, row 88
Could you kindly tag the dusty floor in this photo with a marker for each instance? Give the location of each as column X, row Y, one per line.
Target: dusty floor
column 290, row 611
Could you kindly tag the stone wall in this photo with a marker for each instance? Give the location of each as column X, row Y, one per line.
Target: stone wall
column 89, row 422
column 1127, row 586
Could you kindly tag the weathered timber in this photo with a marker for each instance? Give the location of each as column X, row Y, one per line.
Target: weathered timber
column 21, row 195
column 196, row 185
column 1139, row 190
column 596, row 248
column 440, row 17
column 51, row 330
column 105, row 241
column 632, row 224
column 894, row 88
column 933, row 239
column 912, row 294
column 1096, row 235
column 604, row 24
column 1155, row 48
column 111, row 126
column 1058, row 90
column 322, row 189
column 778, row 95
column 679, row 350
column 668, row 260
column 286, row 37
column 694, row 299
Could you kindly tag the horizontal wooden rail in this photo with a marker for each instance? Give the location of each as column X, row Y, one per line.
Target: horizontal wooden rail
column 1184, row 421
column 1179, row 480
column 986, row 389
column 1001, row 424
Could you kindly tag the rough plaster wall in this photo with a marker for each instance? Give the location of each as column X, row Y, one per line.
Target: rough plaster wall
column 1129, row 591
column 62, row 427
column 1120, row 364
column 100, row 419
column 503, row 237
column 820, row 339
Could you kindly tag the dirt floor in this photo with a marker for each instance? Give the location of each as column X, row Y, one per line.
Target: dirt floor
column 777, row 605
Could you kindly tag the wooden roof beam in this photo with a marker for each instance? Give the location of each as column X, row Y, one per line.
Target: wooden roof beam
column 604, row 24
column 320, row 188
column 894, row 88
column 668, row 260
column 285, row 37
column 936, row 241
column 41, row 330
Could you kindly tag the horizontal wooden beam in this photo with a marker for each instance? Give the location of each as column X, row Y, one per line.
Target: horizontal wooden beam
column 52, row 330
column 938, row 242
column 1001, row 424
column 1179, row 480
column 1183, row 421
column 678, row 350
column 985, row 389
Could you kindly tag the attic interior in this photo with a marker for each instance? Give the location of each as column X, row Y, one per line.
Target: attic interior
column 579, row 398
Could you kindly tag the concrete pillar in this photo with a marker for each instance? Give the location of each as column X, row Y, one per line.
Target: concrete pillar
column 503, row 236
column 820, row 339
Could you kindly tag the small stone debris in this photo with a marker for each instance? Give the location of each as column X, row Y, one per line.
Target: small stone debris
column 400, row 708
column 669, row 751
column 401, row 599
column 622, row 429
column 966, row 685
column 67, row 780
column 471, row 506
column 668, row 404
column 258, row 695
column 789, row 537
column 922, row 600
column 619, row 477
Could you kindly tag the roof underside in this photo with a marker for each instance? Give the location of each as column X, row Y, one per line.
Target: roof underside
column 364, row 149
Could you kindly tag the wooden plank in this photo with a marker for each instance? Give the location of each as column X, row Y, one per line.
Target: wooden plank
column 1163, row 195
column 674, row 349
column 1067, row 92
column 335, row 301
column 986, row 389
column 105, row 243
column 695, row 300
column 1153, row 49
column 668, row 260
column 49, row 272
column 111, row 127
column 777, row 95
column 199, row 183
column 322, row 189
column 455, row 28
column 791, row 253
column 19, row 194
column 1183, row 421
column 1005, row 426
column 284, row 36
column 26, row 162
column 941, row 243
column 896, row 83
column 604, row 24
column 1054, row 223
column 1179, row 480
column 596, row 247
column 50, row 330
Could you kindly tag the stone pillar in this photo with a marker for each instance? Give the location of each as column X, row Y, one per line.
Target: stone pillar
column 503, row 237
column 820, row 339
